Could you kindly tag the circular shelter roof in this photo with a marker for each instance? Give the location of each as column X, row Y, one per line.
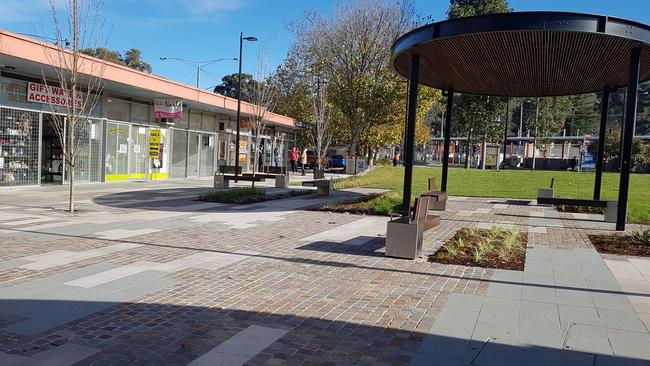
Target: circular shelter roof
column 525, row 54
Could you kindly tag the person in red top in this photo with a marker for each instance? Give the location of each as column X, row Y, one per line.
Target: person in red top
column 293, row 157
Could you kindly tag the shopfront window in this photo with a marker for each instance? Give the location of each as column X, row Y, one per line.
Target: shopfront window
column 117, row 151
column 88, row 139
column 207, row 154
column 179, row 153
column 139, row 153
column 193, row 157
column 19, row 144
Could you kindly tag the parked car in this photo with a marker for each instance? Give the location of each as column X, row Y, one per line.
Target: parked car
column 311, row 160
column 337, row 161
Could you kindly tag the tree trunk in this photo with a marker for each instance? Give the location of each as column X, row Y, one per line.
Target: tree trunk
column 468, row 149
column 352, row 149
column 71, row 180
column 255, row 157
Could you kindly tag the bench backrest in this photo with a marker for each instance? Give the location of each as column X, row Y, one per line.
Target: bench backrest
column 432, row 184
column 275, row 169
column 421, row 208
column 229, row 169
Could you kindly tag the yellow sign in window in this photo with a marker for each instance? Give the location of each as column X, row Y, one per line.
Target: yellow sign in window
column 154, row 143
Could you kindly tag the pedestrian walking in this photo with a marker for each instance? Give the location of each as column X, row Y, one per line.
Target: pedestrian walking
column 396, row 158
column 303, row 160
column 293, row 158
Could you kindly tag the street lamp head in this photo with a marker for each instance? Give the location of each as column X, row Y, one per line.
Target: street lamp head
column 250, row 39
column 163, row 58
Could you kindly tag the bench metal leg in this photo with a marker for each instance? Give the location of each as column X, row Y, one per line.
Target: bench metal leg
column 282, row 181
column 220, row 182
column 611, row 212
column 324, row 190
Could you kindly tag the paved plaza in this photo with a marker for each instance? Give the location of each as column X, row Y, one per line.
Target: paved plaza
column 147, row 275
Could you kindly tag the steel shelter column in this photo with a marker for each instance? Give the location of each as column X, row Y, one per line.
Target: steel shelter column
column 604, row 104
column 628, row 135
column 409, row 147
column 445, row 153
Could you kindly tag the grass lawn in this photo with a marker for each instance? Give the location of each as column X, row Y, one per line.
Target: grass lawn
column 511, row 184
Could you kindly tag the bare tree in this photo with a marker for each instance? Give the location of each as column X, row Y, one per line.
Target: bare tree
column 79, row 79
column 263, row 103
column 322, row 125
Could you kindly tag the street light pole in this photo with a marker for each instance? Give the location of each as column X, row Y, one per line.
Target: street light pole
column 241, row 45
column 198, row 75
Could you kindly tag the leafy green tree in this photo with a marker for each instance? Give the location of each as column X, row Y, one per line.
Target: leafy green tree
column 132, row 59
column 640, row 152
column 229, row 84
column 468, row 8
column 477, row 115
column 104, row 54
column 480, row 118
column 351, row 50
column 549, row 116
column 584, row 114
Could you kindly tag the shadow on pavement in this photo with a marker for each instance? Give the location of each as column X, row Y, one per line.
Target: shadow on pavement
column 154, row 334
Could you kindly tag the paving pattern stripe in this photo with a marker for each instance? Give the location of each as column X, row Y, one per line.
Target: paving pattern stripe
column 64, row 355
column 368, row 227
column 201, row 260
column 240, row 348
column 84, row 302
column 43, row 284
column 58, row 258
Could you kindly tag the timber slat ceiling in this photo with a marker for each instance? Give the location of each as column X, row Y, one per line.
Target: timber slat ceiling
column 525, row 63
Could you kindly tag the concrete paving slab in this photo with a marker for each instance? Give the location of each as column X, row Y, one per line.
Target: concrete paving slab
column 576, row 314
column 630, row 344
column 621, row 320
column 586, row 344
column 426, row 359
column 454, row 318
column 612, row 301
column 465, row 302
column 64, row 355
column 243, row 346
column 42, row 285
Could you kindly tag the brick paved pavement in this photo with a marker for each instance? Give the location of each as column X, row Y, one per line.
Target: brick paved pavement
column 150, row 276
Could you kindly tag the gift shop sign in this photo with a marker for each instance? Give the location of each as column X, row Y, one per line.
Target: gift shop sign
column 53, row 95
column 168, row 108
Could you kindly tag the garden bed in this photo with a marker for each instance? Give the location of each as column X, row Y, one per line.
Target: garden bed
column 247, row 195
column 385, row 204
column 488, row 248
column 581, row 209
column 635, row 244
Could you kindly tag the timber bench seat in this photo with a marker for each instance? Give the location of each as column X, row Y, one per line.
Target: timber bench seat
column 324, row 187
column 422, row 215
column 281, row 180
column 610, row 207
column 260, row 175
column 438, row 201
column 223, row 180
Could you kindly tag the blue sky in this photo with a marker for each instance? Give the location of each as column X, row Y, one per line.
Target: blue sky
column 209, row 29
